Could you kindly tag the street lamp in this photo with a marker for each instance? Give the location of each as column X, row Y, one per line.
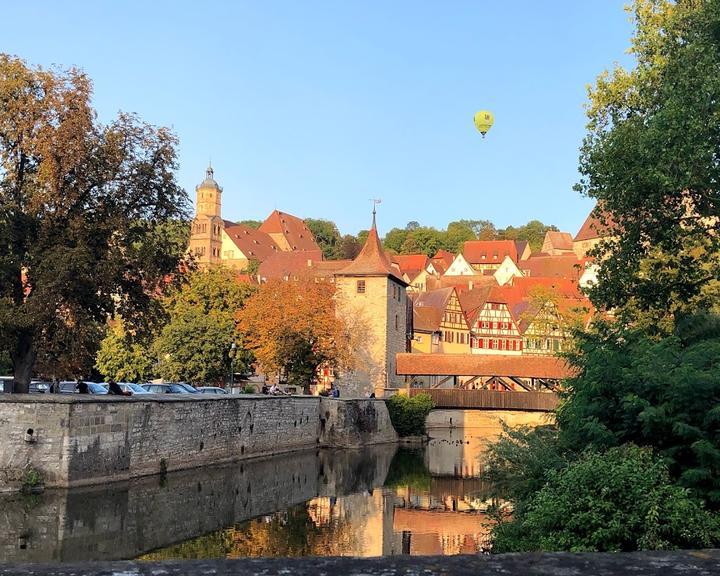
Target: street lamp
column 233, row 348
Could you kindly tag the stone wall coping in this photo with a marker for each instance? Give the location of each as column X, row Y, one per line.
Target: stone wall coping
column 105, row 399
column 677, row 563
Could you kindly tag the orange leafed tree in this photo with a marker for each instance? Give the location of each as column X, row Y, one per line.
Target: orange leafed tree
column 293, row 328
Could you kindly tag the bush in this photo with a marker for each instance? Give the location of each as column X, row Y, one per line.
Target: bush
column 620, row 500
column 408, row 414
column 248, row 389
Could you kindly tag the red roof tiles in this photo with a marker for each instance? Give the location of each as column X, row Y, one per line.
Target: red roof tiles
column 550, row 367
column 287, row 264
column 254, row 244
column 592, row 228
column 372, row 261
column 563, row 266
column 489, row 251
column 296, row 233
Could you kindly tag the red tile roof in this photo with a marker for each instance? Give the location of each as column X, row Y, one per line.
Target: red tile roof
column 296, row 233
column 254, row 244
column 559, row 240
column 435, row 298
column 411, row 263
column 282, row 264
column 426, row 319
column 564, row 266
column 372, row 261
column 592, row 228
column 444, row 256
column 489, row 251
column 482, row 365
column 566, row 287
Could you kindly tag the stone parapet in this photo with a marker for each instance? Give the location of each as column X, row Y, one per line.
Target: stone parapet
column 74, row 440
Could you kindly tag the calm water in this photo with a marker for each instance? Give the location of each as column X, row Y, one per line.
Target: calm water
column 374, row 502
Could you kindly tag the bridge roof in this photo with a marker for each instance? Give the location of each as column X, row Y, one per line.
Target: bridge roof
column 546, row 367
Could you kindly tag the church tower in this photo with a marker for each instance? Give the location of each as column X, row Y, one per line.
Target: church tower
column 370, row 288
column 207, row 226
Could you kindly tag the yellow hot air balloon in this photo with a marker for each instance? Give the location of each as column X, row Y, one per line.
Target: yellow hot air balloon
column 483, row 121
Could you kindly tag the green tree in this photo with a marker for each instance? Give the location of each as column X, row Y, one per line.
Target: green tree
column 652, row 391
column 255, row 224
column 347, row 249
column 394, row 240
column 618, row 501
column 195, row 344
column 482, row 229
column 534, row 232
column 326, row 235
column 456, row 235
column 80, row 205
column 650, row 160
column 124, row 358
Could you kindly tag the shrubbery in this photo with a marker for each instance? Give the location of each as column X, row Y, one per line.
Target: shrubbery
column 619, row 500
column 408, row 414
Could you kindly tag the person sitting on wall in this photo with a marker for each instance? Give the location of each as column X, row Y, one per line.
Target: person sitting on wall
column 114, row 388
column 264, row 388
column 275, row 390
column 336, row 392
column 82, row 387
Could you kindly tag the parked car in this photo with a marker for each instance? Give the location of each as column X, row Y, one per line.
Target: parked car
column 190, row 389
column 36, row 386
column 128, row 387
column 211, row 390
column 70, row 387
column 166, row 389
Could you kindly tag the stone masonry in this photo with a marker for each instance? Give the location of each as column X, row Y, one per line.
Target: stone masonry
column 76, row 441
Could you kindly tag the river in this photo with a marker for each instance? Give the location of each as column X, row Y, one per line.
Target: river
column 378, row 501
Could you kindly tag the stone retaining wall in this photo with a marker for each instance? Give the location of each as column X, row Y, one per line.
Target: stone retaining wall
column 76, row 440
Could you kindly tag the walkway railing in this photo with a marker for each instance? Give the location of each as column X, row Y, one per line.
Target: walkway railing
column 489, row 399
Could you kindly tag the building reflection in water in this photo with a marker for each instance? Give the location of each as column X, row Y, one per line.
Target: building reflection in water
column 373, row 502
column 415, row 511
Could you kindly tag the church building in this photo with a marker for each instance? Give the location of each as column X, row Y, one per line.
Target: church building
column 217, row 241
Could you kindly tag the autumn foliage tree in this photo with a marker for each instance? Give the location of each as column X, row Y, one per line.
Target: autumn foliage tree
column 293, row 328
column 81, row 211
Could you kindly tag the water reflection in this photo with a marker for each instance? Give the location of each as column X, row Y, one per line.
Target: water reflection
column 374, row 502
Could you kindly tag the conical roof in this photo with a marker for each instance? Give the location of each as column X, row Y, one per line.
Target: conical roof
column 372, row 260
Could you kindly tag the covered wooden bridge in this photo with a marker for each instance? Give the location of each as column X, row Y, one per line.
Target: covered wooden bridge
column 505, row 382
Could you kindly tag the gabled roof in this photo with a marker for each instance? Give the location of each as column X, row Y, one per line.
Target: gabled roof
column 443, row 256
column 557, row 241
column 328, row 268
column 564, row 266
column 489, row 251
column 520, row 246
column 426, row 319
column 566, row 287
column 435, row 298
column 294, row 230
column 592, row 228
column 254, row 244
column 461, row 283
column 472, row 302
column 282, row 264
column 411, row 263
column 372, row 260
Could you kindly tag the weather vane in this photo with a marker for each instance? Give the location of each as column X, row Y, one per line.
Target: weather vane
column 375, row 202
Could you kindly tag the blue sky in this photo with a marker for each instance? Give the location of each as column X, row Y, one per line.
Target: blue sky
column 314, row 107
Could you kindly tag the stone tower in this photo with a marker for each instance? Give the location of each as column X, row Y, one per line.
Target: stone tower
column 207, row 226
column 370, row 289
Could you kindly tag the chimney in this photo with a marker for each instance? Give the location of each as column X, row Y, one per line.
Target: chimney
column 470, row 284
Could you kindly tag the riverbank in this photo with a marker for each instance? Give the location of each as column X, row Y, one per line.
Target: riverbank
column 66, row 441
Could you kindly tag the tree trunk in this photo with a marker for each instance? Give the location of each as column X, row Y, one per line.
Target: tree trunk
column 23, row 358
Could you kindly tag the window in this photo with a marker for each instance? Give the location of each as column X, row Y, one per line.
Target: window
column 360, row 286
column 484, row 324
column 396, row 322
column 494, row 344
column 480, row 343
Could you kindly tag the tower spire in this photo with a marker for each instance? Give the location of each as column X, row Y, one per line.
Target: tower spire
column 375, row 202
column 209, row 172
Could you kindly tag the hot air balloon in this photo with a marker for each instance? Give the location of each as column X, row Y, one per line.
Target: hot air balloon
column 483, row 121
